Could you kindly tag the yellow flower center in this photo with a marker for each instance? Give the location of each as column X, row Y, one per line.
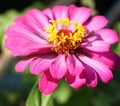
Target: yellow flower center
column 65, row 35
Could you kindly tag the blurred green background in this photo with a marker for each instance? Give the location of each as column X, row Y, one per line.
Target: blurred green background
column 15, row 87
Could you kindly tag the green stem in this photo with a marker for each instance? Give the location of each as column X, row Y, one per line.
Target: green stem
column 45, row 99
column 31, row 93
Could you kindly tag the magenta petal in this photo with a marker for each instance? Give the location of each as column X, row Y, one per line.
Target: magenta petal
column 60, row 12
column 47, row 84
column 109, row 35
column 109, row 58
column 58, row 68
column 21, row 65
column 101, row 69
column 90, row 75
column 79, row 14
column 114, row 58
column 96, row 23
column 75, row 81
column 41, row 63
column 74, row 65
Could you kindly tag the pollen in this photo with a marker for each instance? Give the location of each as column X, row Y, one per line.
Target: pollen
column 65, row 35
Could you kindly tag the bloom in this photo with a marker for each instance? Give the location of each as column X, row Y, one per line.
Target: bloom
column 64, row 42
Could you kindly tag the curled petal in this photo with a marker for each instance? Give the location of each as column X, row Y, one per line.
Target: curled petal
column 47, row 84
column 58, row 67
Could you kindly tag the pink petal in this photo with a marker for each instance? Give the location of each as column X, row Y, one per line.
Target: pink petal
column 96, row 23
column 74, row 65
column 109, row 35
column 47, row 84
column 22, row 42
column 60, row 12
column 101, row 69
column 96, row 46
column 23, row 47
column 21, row 22
column 75, row 81
column 58, row 68
column 22, row 31
column 21, row 65
column 90, row 75
column 79, row 14
column 48, row 13
column 41, row 63
column 71, row 8
column 37, row 21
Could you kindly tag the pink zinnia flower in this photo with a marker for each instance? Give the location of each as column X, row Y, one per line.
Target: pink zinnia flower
column 64, row 42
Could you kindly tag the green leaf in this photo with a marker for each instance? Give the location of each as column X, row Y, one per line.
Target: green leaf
column 117, row 27
column 34, row 96
column 116, row 47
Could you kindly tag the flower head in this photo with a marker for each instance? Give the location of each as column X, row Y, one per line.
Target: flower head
column 64, row 42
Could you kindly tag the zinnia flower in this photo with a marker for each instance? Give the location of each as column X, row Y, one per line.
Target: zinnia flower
column 64, row 42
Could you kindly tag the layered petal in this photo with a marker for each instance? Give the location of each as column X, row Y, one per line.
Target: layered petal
column 79, row 14
column 41, row 63
column 74, row 65
column 96, row 23
column 75, row 81
column 47, row 84
column 58, row 68
column 103, row 72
